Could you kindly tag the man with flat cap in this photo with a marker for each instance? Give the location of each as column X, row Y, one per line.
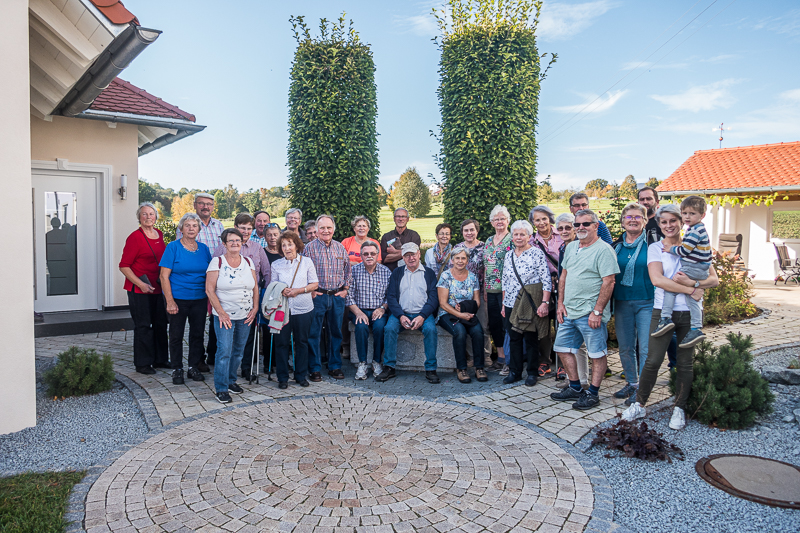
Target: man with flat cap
column 412, row 300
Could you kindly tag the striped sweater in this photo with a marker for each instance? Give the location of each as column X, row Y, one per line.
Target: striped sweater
column 696, row 246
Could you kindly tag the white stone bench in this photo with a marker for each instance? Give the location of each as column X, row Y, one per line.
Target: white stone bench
column 411, row 349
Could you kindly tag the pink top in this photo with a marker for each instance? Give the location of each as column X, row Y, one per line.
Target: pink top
column 551, row 249
column 354, row 249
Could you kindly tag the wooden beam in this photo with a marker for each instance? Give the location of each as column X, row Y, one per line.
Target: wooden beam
column 50, row 66
column 47, row 35
column 40, row 103
column 40, row 83
column 55, row 21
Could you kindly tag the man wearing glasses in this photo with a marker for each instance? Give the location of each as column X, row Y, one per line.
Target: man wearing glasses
column 210, row 231
column 259, row 235
column 294, row 217
column 580, row 201
column 393, row 241
column 584, row 289
column 367, row 304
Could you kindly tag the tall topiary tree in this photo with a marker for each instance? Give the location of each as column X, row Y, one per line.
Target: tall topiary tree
column 333, row 141
column 488, row 95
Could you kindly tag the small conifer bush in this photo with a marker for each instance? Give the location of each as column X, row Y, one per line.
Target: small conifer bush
column 727, row 391
column 79, row 372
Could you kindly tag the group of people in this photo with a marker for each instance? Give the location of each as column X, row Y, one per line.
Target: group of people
column 541, row 291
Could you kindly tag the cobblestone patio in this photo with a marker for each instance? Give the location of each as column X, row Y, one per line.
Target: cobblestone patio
column 345, row 455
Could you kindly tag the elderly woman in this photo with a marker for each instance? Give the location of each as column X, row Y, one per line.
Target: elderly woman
column 438, row 256
column 526, row 265
column 361, row 226
column 665, row 275
column 455, row 287
column 547, row 240
column 633, row 297
column 183, row 281
column 232, row 289
column 300, row 277
column 494, row 253
column 139, row 264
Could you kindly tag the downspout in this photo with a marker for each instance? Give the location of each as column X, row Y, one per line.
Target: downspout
column 111, row 62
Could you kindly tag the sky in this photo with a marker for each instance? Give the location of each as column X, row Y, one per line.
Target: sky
column 637, row 88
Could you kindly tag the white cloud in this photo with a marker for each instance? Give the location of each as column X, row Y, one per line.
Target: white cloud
column 700, row 98
column 594, row 147
column 649, row 65
column 562, row 21
column 788, row 24
column 719, row 58
column 792, row 95
column 603, row 103
column 424, row 23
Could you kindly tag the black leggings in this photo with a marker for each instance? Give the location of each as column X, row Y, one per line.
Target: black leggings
column 494, row 303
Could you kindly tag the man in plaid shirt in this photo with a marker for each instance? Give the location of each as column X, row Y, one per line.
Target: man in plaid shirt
column 367, row 304
column 333, row 270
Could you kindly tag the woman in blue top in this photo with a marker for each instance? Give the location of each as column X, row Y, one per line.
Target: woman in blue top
column 454, row 287
column 183, row 282
column 633, row 297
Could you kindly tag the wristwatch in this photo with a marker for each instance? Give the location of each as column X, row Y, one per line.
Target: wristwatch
column 696, row 284
column 546, row 302
column 596, row 312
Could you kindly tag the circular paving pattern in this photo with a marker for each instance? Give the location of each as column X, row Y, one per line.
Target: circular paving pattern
column 343, row 462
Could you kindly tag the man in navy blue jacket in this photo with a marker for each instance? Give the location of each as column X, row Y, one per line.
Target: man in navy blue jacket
column 412, row 299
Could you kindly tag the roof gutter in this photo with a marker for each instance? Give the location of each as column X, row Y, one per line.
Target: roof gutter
column 119, row 54
column 740, row 190
column 166, row 140
column 141, row 120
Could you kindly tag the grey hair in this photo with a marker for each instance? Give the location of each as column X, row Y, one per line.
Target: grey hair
column 146, row 204
column 522, row 224
column 204, row 195
column 569, row 218
column 310, row 224
column 543, row 209
column 456, row 251
column 634, row 206
column 497, row 210
column 587, row 213
column 189, row 216
column 333, row 220
column 359, row 218
column 293, row 210
column 672, row 209
column 578, row 195
column 400, row 209
column 368, row 243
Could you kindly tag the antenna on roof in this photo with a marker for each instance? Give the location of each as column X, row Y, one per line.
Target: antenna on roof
column 720, row 130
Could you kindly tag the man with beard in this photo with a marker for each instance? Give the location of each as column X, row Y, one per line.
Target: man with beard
column 584, row 290
column 648, row 198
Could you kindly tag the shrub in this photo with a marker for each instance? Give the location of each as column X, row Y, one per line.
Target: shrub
column 726, row 390
column 168, row 228
column 636, row 440
column 730, row 300
column 333, row 139
column 79, row 372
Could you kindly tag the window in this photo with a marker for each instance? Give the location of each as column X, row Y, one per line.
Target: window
column 786, row 225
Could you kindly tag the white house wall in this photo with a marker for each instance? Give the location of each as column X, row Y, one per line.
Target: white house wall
column 18, row 393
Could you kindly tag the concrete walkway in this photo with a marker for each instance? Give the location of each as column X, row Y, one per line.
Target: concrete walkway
column 341, row 455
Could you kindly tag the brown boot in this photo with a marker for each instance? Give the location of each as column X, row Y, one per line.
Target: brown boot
column 463, row 376
column 480, row 374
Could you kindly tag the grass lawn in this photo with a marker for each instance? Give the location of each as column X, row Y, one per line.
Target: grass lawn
column 35, row 503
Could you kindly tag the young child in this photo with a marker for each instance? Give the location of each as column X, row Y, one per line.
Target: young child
column 695, row 257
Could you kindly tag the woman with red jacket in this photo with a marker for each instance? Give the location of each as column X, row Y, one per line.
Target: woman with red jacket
column 140, row 258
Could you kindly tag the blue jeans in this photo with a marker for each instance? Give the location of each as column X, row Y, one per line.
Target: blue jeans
column 459, row 331
column 430, row 339
column 362, row 336
column 230, row 347
column 328, row 309
column 573, row 332
column 632, row 322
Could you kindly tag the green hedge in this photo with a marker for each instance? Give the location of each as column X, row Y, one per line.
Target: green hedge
column 786, row 224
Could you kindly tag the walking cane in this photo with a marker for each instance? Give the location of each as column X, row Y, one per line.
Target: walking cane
column 269, row 369
column 254, row 359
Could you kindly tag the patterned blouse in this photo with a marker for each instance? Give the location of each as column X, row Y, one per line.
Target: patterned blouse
column 459, row 290
column 493, row 257
column 532, row 268
column 475, row 263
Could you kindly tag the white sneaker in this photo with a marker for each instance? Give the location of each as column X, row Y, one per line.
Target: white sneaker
column 636, row 410
column 376, row 368
column 361, row 373
column 505, row 371
column 678, row 420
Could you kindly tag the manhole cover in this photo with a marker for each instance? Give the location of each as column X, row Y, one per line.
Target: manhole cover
column 753, row 478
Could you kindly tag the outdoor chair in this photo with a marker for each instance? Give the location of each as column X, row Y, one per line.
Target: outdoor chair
column 732, row 243
column 790, row 270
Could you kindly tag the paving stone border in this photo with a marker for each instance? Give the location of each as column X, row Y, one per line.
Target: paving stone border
column 144, row 401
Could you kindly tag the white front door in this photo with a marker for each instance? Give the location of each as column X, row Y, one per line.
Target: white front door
column 66, row 241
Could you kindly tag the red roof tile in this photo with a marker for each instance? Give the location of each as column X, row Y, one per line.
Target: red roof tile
column 115, row 11
column 765, row 165
column 124, row 97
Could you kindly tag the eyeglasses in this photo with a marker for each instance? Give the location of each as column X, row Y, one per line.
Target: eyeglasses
column 233, row 241
column 368, row 254
column 584, row 224
column 400, row 216
column 272, row 225
column 444, row 234
column 582, row 206
column 205, row 204
column 633, row 217
column 563, row 228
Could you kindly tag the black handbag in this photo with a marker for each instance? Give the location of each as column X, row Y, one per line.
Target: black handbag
column 469, row 306
column 553, row 280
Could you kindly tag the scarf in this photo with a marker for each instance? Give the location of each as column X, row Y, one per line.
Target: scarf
column 440, row 256
column 627, row 277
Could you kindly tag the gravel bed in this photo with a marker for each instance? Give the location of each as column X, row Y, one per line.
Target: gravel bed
column 74, row 433
column 779, row 357
column 673, row 498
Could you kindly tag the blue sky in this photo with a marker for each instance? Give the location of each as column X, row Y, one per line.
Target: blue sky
column 656, row 93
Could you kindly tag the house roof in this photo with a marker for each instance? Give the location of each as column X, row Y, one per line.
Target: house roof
column 124, row 97
column 745, row 168
column 115, row 11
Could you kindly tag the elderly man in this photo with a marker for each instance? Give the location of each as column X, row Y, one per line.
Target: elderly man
column 393, row 241
column 333, row 271
column 210, row 230
column 580, row 201
column 310, row 228
column 367, row 304
column 259, row 236
column 585, row 287
column 412, row 299
column 294, row 219
column 648, row 198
